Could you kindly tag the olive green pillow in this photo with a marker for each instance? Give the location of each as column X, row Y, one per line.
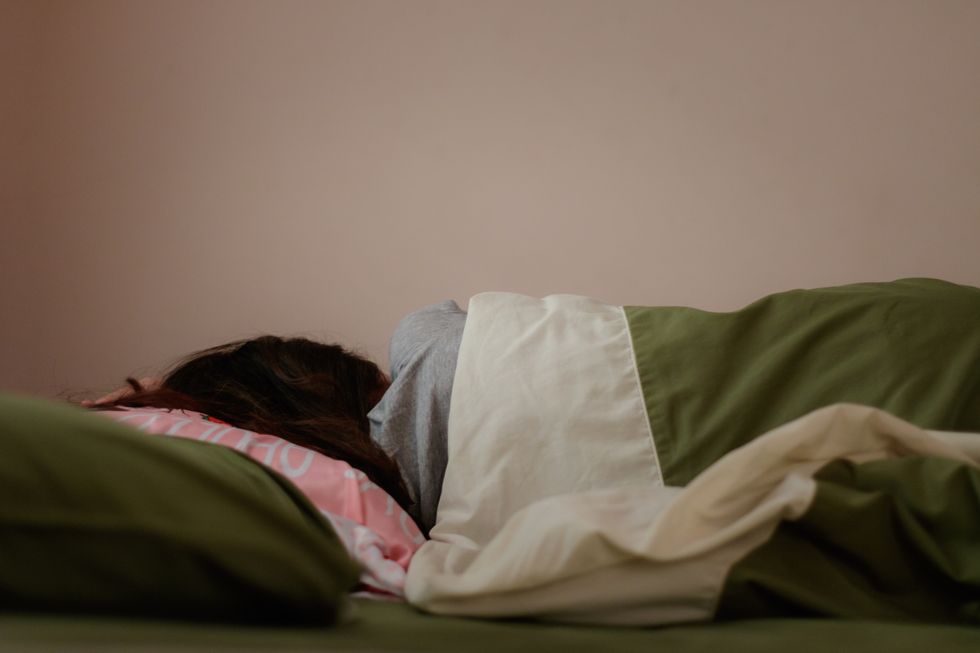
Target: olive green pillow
column 99, row 518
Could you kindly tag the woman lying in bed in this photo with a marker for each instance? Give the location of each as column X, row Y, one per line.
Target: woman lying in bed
column 327, row 399
column 330, row 421
column 561, row 398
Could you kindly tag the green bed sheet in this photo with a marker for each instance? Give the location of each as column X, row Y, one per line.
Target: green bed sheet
column 397, row 627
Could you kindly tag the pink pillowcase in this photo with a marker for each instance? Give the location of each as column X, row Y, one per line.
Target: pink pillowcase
column 376, row 530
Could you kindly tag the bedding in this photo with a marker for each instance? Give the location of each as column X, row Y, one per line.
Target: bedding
column 376, row 531
column 806, row 455
column 97, row 518
column 382, row 626
column 551, row 512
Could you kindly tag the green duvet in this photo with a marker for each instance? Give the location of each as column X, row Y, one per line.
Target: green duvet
column 715, row 381
column 807, row 455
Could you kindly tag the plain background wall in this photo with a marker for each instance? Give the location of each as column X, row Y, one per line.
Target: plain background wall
column 18, row 264
column 177, row 174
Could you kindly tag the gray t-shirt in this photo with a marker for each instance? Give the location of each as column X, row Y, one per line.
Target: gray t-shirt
column 410, row 422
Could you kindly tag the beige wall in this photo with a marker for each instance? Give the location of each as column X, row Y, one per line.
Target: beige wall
column 18, row 260
column 202, row 171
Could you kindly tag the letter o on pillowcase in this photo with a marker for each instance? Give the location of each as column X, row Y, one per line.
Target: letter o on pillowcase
column 99, row 518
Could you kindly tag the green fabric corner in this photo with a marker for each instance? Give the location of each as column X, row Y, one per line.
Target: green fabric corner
column 895, row 539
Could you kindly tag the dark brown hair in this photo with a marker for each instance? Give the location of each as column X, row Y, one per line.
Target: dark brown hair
column 313, row 394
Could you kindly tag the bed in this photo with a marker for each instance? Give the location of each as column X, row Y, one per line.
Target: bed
column 397, row 627
column 798, row 474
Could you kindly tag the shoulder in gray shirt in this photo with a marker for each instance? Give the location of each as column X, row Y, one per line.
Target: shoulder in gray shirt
column 410, row 422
